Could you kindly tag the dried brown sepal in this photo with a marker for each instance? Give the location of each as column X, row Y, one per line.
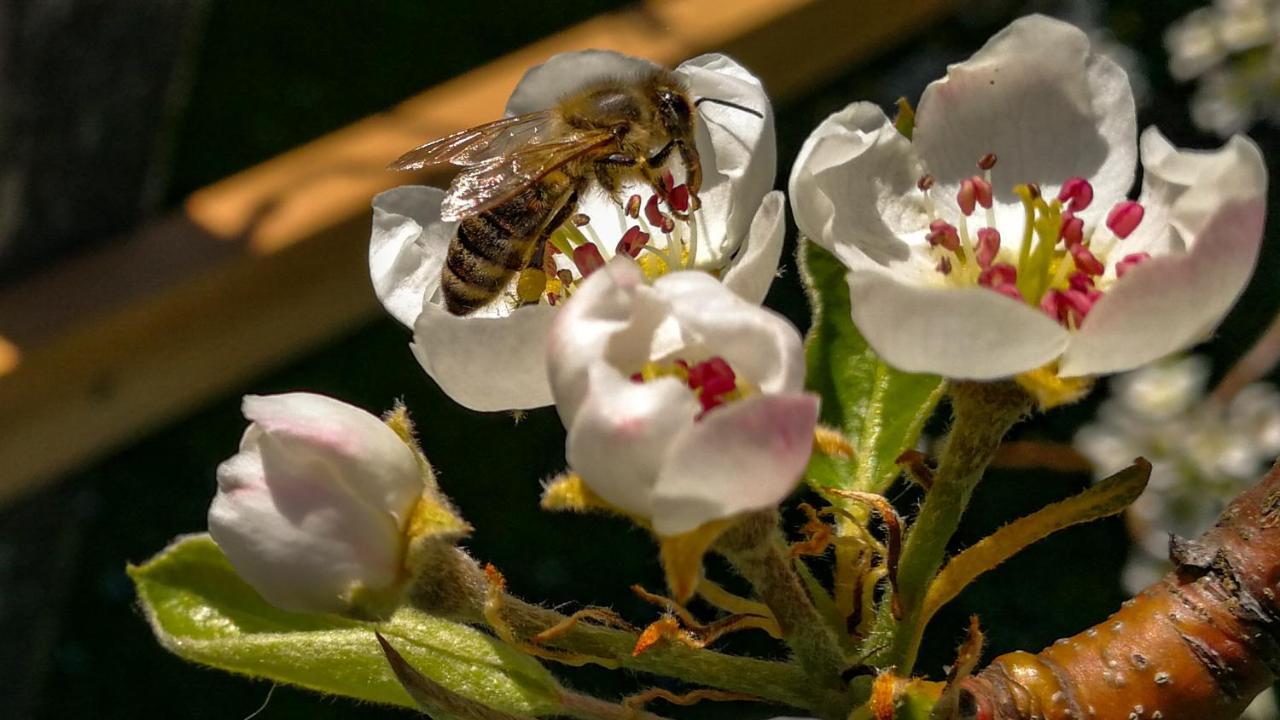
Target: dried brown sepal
column 1197, row 645
column 917, row 467
column 893, row 539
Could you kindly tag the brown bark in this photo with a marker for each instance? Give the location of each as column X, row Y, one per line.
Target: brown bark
column 1197, row 645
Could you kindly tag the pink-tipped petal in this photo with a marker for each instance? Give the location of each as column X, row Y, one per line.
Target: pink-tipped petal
column 743, row 456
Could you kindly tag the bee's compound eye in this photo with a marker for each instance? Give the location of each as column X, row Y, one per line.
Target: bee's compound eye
column 674, row 105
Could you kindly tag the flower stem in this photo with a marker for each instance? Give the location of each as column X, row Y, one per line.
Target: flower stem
column 756, row 549
column 457, row 588
column 586, row 707
column 983, row 413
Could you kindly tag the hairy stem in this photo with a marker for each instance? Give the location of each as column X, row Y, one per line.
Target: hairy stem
column 983, row 412
column 758, row 552
column 586, row 707
column 457, row 590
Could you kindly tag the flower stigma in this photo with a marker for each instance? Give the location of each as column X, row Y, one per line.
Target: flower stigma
column 713, row 381
column 1059, row 263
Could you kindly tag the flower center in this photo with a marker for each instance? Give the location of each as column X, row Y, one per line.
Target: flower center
column 713, row 381
column 1060, row 265
column 660, row 240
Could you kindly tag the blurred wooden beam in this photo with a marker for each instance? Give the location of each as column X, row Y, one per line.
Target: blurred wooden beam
column 271, row 261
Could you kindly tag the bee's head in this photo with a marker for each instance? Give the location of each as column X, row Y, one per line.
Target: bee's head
column 675, row 109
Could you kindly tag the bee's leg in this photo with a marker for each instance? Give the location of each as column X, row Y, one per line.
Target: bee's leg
column 607, row 175
column 692, row 167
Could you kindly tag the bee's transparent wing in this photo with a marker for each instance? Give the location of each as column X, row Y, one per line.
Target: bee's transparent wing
column 500, row 179
column 485, row 143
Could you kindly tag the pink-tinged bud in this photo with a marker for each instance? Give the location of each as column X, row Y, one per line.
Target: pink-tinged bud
column 1124, row 218
column 925, row 182
column 944, row 266
column 999, row 275
column 987, row 161
column 633, row 207
column 1077, row 193
column 1072, row 232
column 633, row 241
column 588, row 259
column 1081, row 281
column 679, row 198
column 944, row 234
column 981, row 191
column 988, row 246
column 1128, row 262
column 967, row 196
column 1085, row 261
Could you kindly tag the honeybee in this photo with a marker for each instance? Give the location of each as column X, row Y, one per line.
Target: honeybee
column 522, row 176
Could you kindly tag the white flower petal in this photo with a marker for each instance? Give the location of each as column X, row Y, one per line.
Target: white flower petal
column 407, row 248
column 969, row 333
column 1183, row 189
column 738, row 150
column 297, row 561
column 566, row 73
column 486, row 363
column 751, row 272
column 1049, row 108
column 854, row 185
column 743, row 456
column 612, row 317
column 761, row 345
column 1170, row 302
column 365, row 455
column 622, row 432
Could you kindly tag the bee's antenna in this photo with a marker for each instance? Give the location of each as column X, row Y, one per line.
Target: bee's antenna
column 726, row 103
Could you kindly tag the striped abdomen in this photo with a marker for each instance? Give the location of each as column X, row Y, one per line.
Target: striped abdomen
column 494, row 244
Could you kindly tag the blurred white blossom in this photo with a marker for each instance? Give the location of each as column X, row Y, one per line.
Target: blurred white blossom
column 1202, row 453
column 1231, row 47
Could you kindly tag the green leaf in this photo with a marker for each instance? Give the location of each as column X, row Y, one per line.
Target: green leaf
column 880, row 409
column 202, row 611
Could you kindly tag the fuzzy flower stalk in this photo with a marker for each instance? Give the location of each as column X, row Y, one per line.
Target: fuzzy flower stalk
column 732, row 229
column 999, row 239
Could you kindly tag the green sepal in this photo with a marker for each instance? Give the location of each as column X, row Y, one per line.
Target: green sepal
column 880, row 409
column 202, row 611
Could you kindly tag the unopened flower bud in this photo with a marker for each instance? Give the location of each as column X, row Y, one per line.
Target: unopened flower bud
column 313, row 510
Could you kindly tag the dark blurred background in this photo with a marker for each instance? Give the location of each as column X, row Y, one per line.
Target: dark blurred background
column 112, row 112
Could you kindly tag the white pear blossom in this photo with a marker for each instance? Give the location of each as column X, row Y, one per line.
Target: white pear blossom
column 492, row 359
column 1233, row 47
column 1202, row 453
column 684, row 403
column 312, row 510
column 999, row 240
